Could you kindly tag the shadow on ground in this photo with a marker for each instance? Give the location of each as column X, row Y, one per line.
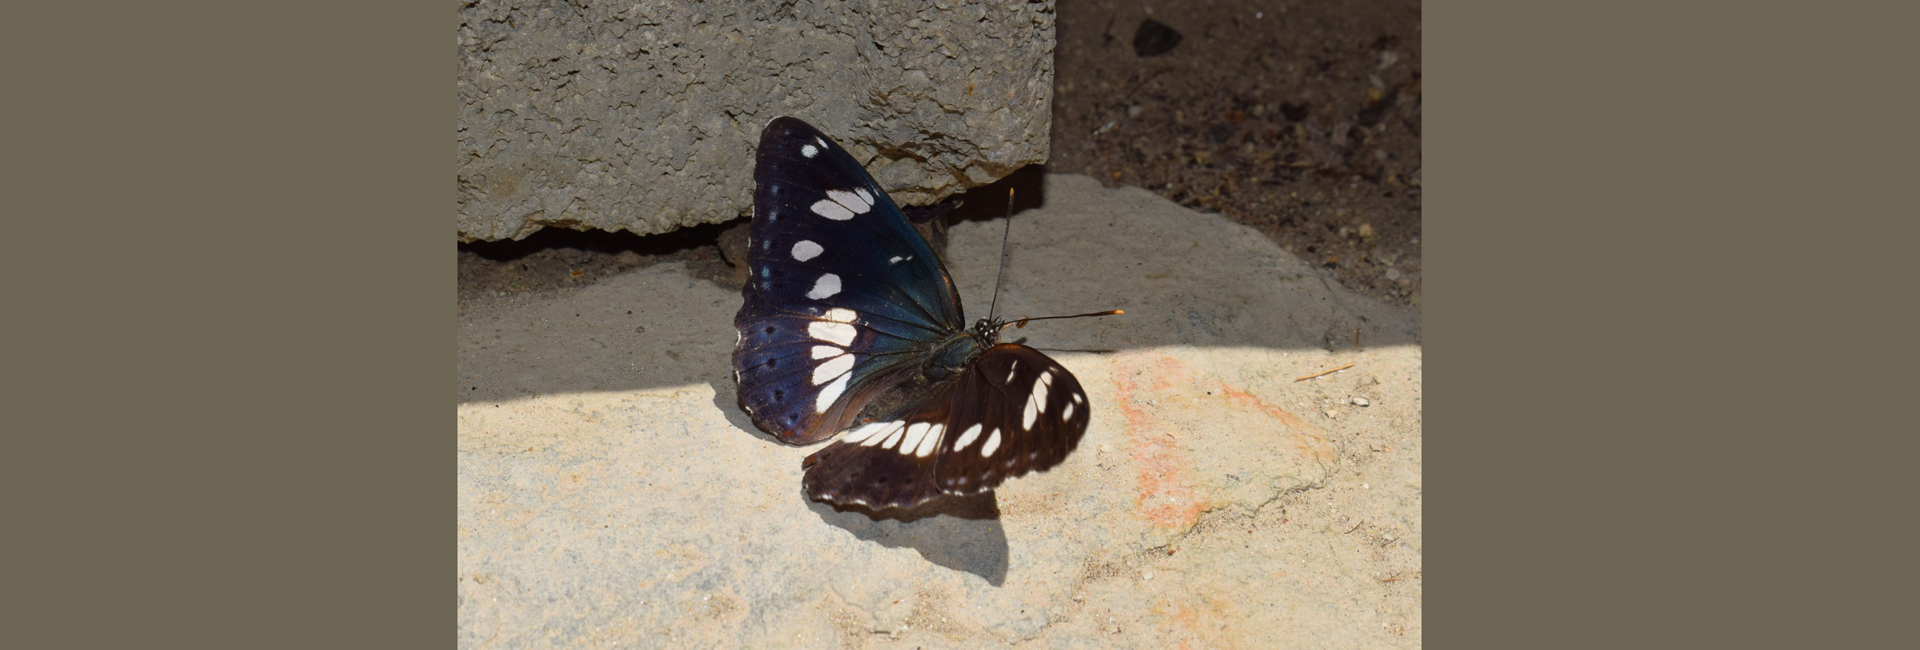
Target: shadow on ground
column 959, row 533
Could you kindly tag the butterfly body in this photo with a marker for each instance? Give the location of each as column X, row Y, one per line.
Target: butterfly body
column 851, row 323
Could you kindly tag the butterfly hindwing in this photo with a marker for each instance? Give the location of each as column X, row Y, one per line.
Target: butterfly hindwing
column 1012, row 411
column 1018, row 412
column 842, row 291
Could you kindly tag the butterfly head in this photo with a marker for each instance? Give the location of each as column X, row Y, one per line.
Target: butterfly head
column 987, row 330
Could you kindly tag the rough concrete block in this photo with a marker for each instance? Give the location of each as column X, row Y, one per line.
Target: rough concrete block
column 642, row 116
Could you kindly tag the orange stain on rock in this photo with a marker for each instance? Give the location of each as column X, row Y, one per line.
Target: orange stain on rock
column 1166, row 495
column 1311, row 440
column 1198, row 616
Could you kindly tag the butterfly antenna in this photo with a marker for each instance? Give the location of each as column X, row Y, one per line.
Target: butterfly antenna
column 994, row 307
column 1023, row 322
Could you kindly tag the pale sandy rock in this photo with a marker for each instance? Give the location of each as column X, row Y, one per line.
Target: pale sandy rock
column 610, row 493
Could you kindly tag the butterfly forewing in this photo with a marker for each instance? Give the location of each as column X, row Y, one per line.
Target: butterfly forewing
column 842, row 292
column 1012, row 411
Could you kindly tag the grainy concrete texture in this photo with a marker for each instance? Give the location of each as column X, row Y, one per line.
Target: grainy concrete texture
column 642, row 116
column 611, row 494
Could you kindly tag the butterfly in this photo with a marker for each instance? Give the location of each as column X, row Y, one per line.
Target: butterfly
column 852, row 324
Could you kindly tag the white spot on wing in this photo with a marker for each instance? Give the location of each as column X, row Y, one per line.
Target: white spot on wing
column 1040, row 390
column 967, row 437
column 1027, row 417
column 830, row 393
column 854, row 203
column 1010, row 369
column 825, row 287
column 824, row 351
column 806, row 250
column 874, row 437
column 840, row 315
column 809, row 150
column 896, row 259
column 915, row 432
column 836, row 333
column 1077, row 399
column 928, row 443
column 993, row 443
column 831, row 210
column 832, row 368
column 857, row 435
column 1068, row 414
column 894, row 437
column 865, row 196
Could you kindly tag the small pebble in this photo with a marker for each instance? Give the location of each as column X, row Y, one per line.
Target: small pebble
column 1361, row 401
column 1393, row 273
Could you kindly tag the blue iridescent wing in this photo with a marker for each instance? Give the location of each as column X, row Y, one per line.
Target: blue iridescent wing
column 844, row 302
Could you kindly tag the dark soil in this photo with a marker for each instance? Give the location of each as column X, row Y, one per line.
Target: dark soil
column 1301, row 120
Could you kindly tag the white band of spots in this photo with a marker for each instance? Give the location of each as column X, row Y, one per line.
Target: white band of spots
column 929, row 443
column 856, row 203
column 857, row 435
column 893, row 438
column 915, row 431
column 993, row 444
column 841, row 205
column 831, row 393
column 836, row 333
column 832, row 369
column 967, row 437
column 886, row 429
column 831, row 210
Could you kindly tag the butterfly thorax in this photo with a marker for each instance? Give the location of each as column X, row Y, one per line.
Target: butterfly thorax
column 960, row 349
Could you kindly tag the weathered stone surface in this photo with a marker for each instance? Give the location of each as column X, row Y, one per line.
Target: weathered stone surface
column 611, row 493
column 643, row 116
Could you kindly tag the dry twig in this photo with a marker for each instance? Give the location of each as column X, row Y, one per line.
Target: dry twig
column 1323, row 374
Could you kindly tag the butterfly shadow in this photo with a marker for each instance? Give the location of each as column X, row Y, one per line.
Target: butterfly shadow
column 724, row 391
column 959, row 533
